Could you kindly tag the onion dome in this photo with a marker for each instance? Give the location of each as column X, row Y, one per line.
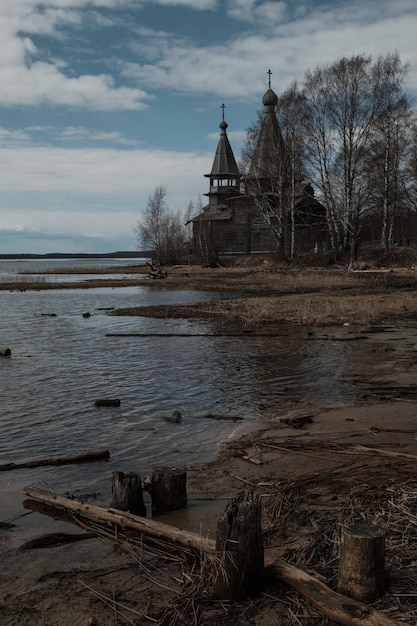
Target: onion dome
column 270, row 98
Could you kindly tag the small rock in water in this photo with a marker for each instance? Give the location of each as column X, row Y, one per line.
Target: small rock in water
column 175, row 418
column 87, row 314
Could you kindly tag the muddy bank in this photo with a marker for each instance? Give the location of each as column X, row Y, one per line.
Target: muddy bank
column 314, row 474
column 345, row 465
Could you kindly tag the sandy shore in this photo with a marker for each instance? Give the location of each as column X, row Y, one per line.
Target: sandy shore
column 331, row 468
column 335, row 469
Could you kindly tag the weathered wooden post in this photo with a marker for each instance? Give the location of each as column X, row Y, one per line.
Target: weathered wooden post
column 168, row 488
column 362, row 562
column 240, row 544
column 127, row 494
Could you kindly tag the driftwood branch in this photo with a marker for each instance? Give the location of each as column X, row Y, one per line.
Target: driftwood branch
column 335, row 606
column 124, row 520
column 399, row 455
column 82, row 457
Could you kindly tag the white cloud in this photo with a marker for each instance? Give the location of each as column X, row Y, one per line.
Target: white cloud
column 198, row 5
column 237, row 68
column 85, row 193
column 103, row 171
column 43, row 83
column 27, row 79
column 241, row 9
column 74, row 133
column 250, row 11
column 270, row 13
column 10, row 138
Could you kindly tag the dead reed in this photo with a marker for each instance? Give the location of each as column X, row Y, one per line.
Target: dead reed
column 169, row 584
column 302, row 521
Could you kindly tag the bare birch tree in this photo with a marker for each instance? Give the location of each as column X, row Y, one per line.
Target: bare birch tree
column 345, row 99
column 291, row 112
column 388, row 147
column 161, row 229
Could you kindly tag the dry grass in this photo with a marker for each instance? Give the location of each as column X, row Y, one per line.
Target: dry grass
column 308, row 309
column 302, row 520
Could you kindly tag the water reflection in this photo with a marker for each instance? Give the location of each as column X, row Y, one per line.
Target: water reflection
column 61, row 362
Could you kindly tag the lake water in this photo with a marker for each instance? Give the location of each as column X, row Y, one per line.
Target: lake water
column 62, row 362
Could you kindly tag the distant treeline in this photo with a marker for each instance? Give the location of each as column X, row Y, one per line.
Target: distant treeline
column 145, row 254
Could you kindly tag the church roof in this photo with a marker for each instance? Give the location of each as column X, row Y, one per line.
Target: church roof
column 224, row 163
column 221, row 213
column 269, row 153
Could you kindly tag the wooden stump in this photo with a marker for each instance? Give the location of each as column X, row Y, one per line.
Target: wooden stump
column 127, row 494
column 168, row 488
column 240, row 542
column 362, row 562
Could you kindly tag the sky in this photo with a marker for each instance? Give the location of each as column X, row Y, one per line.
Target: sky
column 101, row 101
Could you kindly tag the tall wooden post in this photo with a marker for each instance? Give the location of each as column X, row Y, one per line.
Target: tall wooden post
column 127, row 494
column 362, row 562
column 240, row 546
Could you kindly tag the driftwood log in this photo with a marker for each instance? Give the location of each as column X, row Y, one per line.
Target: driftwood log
column 168, row 488
column 81, row 457
column 156, row 272
column 336, row 607
column 240, row 544
column 362, row 562
column 5, row 351
column 107, row 402
column 127, row 494
column 124, row 520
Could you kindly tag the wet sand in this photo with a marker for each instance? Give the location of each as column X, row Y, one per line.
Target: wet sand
column 340, row 465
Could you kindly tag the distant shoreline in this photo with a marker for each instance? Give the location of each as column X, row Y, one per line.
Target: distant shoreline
column 127, row 254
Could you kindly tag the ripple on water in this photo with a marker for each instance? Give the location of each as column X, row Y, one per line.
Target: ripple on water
column 61, row 364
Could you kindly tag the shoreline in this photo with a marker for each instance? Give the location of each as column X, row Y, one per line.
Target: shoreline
column 347, row 463
column 352, row 438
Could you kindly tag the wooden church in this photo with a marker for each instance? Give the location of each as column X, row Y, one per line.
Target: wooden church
column 262, row 211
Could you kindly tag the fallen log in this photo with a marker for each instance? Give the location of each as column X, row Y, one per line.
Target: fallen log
column 335, row 606
column 81, row 457
column 124, row 520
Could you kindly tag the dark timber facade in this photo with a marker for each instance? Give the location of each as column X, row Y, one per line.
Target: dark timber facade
column 248, row 215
